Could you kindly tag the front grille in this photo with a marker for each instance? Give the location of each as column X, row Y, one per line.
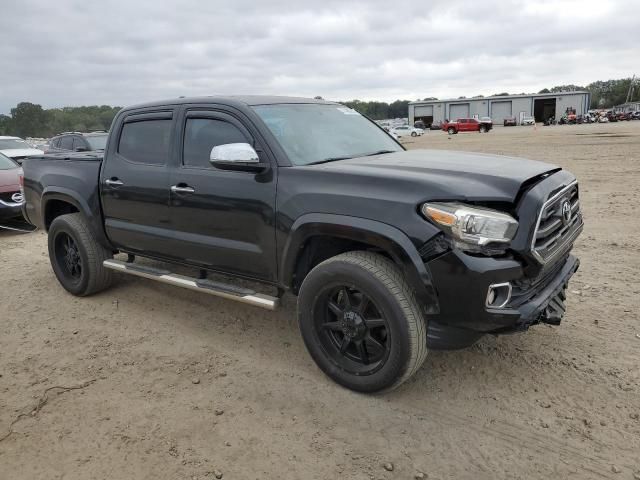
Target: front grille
column 6, row 196
column 526, row 289
column 559, row 223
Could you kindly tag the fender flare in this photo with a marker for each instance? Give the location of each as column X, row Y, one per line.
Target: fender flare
column 74, row 198
column 378, row 234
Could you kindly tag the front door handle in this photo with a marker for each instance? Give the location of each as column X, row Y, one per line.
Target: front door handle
column 113, row 182
column 182, row 189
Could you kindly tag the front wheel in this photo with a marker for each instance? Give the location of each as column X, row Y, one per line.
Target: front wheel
column 76, row 256
column 451, row 130
column 483, row 129
column 361, row 322
column 414, row 134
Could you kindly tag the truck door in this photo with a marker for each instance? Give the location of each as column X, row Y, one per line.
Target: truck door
column 135, row 183
column 224, row 220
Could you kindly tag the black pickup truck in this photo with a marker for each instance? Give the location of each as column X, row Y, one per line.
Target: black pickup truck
column 390, row 252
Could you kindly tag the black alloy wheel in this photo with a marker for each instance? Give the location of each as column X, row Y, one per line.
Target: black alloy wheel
column 351, row 329
column 67, row 255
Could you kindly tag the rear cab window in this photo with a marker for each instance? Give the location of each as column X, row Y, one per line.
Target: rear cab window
column 146, row 140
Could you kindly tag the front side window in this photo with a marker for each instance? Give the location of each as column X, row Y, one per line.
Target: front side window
column 202, row 134
column 146, row 141
column 312, row 133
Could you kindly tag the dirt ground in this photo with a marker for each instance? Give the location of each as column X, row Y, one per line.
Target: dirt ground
column 188, row 386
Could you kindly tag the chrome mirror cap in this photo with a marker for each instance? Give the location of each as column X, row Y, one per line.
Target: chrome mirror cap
column 234, row 153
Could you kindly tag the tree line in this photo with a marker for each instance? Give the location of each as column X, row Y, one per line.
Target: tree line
column 31, row 120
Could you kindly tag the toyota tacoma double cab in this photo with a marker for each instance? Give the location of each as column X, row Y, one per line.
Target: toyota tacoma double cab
column 390, row 252
column 467, row 125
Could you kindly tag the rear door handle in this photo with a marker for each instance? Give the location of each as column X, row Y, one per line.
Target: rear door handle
column 182, row 189
column 113, row 182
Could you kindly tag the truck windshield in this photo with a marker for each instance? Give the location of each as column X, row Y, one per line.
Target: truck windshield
column 97, row 142
column 318, row 133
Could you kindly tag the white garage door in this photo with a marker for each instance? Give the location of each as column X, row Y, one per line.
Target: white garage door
column 423, row 111
column 459, row 110
column 500, row 111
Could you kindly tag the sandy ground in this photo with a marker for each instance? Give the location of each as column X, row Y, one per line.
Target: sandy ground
column 189, row 386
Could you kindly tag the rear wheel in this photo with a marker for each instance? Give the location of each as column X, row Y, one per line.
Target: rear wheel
column 451, row 130
column 76, row 257
column 361, row 322
column 483, row 129
column 414, row 134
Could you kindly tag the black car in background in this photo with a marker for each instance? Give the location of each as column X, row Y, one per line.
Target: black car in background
column 78, row 142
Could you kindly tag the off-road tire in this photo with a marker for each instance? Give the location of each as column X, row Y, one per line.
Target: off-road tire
column 384, row 282
column 94, row 277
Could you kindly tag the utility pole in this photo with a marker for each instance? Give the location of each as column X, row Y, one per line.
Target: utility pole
column 631, row 89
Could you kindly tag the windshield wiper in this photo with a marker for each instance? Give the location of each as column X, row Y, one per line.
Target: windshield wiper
column 327, row 160
column 379, row 152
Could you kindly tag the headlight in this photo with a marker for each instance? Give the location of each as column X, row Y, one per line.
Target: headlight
column 472, row 228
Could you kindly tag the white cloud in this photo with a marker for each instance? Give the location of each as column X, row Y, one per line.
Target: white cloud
column 73, row 52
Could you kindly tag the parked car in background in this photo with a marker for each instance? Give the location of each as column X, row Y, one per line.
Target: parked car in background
column 435, row 126
column 510, row 122
column 78, row 142
column 10, row 194
column 528, row 121
column 486, row 120
column 466, row 125
column 406, row 130
column 17, row 149
column 603, row 119
column 420, row 124
column 635, row 115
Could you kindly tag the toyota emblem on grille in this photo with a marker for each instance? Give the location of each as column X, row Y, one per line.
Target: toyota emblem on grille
column 16, row 197
column 566, row 211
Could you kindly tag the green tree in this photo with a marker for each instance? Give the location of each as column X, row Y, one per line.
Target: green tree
column 28, row 119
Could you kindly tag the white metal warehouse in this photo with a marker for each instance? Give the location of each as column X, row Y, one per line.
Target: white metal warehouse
column 541, row 106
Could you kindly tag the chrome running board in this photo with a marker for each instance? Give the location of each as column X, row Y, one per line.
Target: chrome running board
column 218, row 289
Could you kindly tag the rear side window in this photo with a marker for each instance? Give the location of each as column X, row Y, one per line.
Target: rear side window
column 146, row 141
column 66, row 143
column 202, row 134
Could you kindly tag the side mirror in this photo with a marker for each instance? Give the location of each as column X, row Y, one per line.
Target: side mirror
column 236, row 156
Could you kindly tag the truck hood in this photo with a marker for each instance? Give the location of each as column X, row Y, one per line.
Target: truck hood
column 449, row 175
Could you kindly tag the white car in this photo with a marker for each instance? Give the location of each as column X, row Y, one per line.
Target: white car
column 17, row 148
column 528, row 121
column 406, row 130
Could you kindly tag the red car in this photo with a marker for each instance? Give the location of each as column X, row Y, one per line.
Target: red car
column 10, row 195
column 466, row 125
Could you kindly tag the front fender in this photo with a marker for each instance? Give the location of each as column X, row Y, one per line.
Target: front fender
column 371, row 232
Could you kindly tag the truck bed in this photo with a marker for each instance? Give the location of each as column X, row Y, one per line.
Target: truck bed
column 74, row 174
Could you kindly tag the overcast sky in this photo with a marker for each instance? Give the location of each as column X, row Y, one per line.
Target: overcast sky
column 67, row 52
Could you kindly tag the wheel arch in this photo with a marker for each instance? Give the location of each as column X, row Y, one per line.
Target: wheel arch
column 58, row 201
column 345, row 233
